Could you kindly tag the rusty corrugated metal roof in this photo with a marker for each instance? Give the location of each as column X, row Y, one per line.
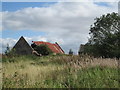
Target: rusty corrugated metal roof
column 54, row 47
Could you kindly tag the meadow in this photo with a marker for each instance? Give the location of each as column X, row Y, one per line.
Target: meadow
column 60, row 71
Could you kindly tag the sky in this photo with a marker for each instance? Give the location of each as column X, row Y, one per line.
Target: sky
column 67, row 23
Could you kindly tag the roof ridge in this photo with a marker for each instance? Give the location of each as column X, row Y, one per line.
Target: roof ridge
column 43, row 41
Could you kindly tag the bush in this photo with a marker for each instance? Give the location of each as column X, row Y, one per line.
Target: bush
column 10, row 52
column 70, row 52
column 43, row 49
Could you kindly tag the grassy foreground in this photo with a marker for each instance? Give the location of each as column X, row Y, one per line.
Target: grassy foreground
column 59, row 72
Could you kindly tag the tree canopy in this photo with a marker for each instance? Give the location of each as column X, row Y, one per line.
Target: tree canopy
column 105, row 36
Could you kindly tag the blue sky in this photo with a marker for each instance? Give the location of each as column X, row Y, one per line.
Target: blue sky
column 102, row 4
column 14, row 6
column 18, row 33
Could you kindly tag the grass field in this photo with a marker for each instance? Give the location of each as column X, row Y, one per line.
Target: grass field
column 60, row 72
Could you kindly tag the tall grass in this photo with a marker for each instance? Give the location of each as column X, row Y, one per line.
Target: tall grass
column 60, row 72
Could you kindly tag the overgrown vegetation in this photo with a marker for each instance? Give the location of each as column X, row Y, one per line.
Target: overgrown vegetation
column 42, row 49
column 63, row 71
column 105, row 37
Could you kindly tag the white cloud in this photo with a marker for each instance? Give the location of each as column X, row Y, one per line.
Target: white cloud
column 67, row 23
column 58, row 16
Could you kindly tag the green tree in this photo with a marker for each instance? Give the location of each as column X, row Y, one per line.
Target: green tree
column 43, row 49
column 105, row 36
column 7, row 49
column 70, row 52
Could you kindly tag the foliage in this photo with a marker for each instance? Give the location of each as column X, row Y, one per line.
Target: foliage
column 33, row 45
column 105, row 36
column 10, row 52
column 43, row 49
column 70, row 52
column 7, row 49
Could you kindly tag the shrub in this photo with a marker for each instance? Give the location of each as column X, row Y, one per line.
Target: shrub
column 70, row 52
column 43, row 49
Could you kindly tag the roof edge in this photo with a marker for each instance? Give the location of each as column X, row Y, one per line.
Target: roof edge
column 59, row 46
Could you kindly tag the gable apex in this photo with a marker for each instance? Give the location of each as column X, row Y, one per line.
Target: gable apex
column 22, row 47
